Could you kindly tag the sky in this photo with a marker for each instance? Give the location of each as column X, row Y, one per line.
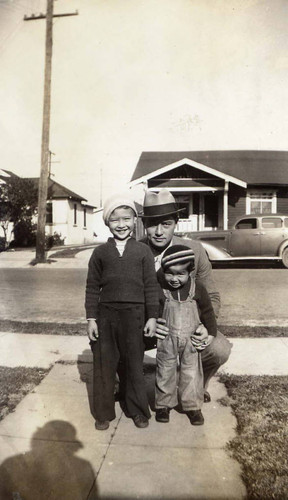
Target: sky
column 141, row 75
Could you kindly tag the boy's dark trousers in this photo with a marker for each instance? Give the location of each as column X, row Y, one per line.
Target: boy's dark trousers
column 120, row 330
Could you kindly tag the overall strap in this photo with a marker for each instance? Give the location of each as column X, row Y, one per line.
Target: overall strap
column 192, row 289
column 167, row 293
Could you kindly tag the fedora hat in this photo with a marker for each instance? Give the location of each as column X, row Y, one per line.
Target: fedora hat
column 159, row 204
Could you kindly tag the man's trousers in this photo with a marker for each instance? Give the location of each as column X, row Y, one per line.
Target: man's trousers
column 215, row 355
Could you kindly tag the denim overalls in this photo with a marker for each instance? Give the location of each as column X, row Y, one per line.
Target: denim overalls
column 182, row 319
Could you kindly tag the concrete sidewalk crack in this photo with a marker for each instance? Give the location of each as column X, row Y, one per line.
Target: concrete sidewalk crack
column 104, row 456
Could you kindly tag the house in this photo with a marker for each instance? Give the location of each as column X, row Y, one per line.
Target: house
column 216, row 187
column 68, row 213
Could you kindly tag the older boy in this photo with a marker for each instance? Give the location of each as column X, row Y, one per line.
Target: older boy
column 121, row 287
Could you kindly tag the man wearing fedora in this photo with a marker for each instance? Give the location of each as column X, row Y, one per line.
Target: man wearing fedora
column 160, row 216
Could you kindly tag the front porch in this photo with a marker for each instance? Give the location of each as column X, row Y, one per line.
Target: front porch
column 201, row 191
column 202, row 211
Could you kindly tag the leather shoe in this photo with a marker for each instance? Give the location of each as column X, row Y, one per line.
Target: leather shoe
column 102, row 425
column 195, row 417
column 162, row 415
column 140, row 421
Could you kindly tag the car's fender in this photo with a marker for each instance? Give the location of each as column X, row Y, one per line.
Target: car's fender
column 283, row 245
column 215, row 253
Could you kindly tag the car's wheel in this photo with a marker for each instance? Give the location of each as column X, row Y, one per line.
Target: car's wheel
column 285, row 257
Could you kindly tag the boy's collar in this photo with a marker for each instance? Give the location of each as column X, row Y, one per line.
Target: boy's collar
column 113, row 240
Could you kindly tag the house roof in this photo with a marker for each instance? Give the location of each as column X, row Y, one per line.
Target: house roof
column 251, row 167
column 6, row 173
column 56, row 190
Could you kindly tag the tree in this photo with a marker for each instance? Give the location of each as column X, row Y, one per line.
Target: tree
column 18, row 204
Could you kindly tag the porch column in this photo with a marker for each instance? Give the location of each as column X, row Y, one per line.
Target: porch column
column 201, row 212
column 225, row 206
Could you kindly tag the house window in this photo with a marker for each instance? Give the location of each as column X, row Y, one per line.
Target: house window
column 75, row 214
column 49, row 213
column 264, row 202
column 84, row 215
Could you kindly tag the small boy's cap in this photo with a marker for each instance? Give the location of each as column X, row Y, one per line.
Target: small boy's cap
column 116, row 201
column 177, row 254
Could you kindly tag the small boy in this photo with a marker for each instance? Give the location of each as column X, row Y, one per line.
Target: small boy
column 121, row 287
column 186, row 306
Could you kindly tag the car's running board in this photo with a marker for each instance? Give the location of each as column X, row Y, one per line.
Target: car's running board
column 247, row 258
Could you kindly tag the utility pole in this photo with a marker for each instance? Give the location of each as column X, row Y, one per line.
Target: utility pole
column 49, row 164
column 44, row 173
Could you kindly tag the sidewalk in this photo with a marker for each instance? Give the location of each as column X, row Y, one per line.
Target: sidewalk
column 22, row 259
column 249, row 356
column 173, row 461
column 159, row 462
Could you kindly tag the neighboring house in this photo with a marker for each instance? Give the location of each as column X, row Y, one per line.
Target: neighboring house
column 67, row 214
column 216, row 187
column 9, row 228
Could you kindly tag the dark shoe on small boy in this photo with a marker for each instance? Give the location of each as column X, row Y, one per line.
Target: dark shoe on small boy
column 207, row 397
column 162, row 415
column 102, row 425
column 195, row 417
column 140, row 421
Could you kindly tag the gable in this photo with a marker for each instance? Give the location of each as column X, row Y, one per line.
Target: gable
column 251, row 167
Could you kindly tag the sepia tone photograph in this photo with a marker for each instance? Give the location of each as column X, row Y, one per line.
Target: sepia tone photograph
column 143, row 249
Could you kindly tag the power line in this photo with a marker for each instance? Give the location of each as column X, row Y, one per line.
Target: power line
column 43, row 16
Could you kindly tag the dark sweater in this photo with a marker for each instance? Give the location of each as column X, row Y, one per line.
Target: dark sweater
column 115, row 279
column 205, row 308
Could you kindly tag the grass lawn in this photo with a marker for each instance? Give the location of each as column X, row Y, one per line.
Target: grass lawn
column 15, row 383
column 45, row 328
column 260, row 405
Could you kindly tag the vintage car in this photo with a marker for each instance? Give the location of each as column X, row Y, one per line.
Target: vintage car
column 261, row 236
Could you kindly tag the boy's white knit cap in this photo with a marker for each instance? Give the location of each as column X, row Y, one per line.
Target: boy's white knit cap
column 116, row 201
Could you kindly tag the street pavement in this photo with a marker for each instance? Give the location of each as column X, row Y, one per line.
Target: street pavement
column 55, row 292
column 52, row 430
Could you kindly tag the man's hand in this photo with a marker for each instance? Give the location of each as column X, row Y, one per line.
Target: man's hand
column 150, row 328
column 92, row 330
column 161, row 329
column 210, row 338
column 200, row 334
column 200, row 338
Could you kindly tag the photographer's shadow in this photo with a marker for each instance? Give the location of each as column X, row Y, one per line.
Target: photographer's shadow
column 50, row 469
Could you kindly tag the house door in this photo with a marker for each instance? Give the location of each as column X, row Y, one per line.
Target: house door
column 211, row 211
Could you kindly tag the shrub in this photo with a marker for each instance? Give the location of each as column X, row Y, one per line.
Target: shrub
column 53, row 240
